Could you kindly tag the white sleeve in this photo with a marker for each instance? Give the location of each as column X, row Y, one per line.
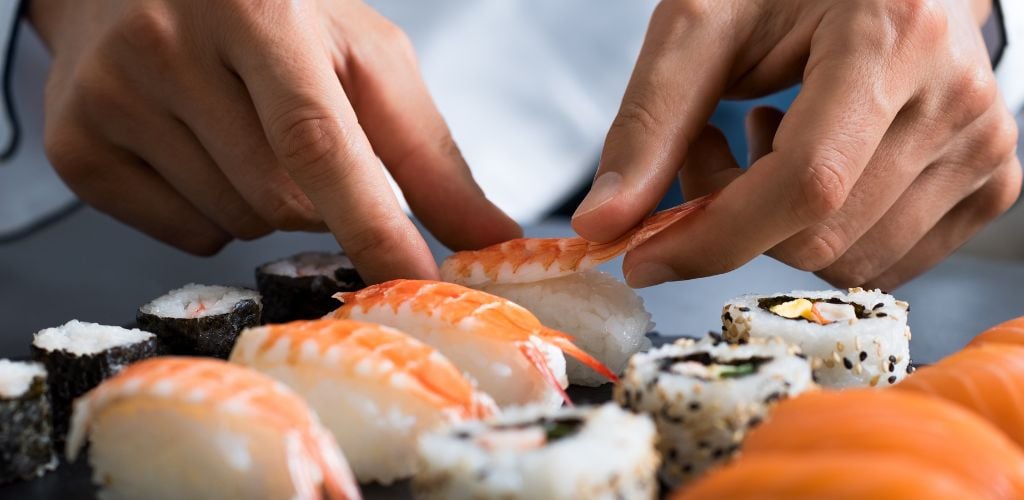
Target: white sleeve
column 1010, row 68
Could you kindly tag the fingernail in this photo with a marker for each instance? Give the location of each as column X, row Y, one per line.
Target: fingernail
column 650, row 274
column 605, row 187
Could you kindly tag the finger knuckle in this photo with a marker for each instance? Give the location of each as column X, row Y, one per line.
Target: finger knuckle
column 375, row 239
column 306, row 137
column 149, row 29
column 814, row 249
column 918, row 20
column 1005, row 193
column 636, row 116
column 822, row 185
column 64, row 149
column 687, row 10
column 1003, row 137
column 972, row 91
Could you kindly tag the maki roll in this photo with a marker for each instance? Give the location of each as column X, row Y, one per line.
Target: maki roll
column 25, row 448
column 200, row 320
column 374, row 387
column 78, row 356
column 857, row 339
column 597, row 453
column 186, row 427
column 302, row 286
column 704, row 396
column 605, row 317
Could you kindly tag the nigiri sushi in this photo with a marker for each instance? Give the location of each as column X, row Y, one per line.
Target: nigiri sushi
column 1009, row 332
column 501, row 345
column 554, row 278
column 26, row 451
column 530, row 453
column 173, row 428
column 302, row 286
column 704, row 396
column 858, row 339
column 929, row 430
column 836, row 476
column 200, row 320
column 372, row 386
column 987, row 379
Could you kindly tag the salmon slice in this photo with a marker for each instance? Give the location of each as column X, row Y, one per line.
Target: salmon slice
column 929, row 430
column 1009, row 332
column 836, row 476
column 987, row 379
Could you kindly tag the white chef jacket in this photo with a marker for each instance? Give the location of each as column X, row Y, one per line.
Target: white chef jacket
column 527, row 87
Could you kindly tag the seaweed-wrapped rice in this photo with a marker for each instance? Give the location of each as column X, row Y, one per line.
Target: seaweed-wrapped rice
column 78, row 356
column 856, row 339
column 26, row 451
column 704, row 396
column 200, row 320
column 302, row 286
column 528, row 453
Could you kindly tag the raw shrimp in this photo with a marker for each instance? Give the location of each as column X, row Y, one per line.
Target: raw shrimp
column 220, row 430
column 526, row 260
column 500, row 344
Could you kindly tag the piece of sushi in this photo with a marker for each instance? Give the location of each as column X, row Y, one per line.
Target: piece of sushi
column 605, row 317
column 501, row 345
column 187, row 427
column 302, row 286
column 929, row 430
column 26, row 451
column 78, row 356
column 528, row 453
column 372, row 386
column 1008, row 332
column 987, row 379
column 200, row 320
column 704, row 396
column 857, row 339
column 783, row 476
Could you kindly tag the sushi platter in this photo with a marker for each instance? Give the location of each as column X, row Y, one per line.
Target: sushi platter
column 525, row 373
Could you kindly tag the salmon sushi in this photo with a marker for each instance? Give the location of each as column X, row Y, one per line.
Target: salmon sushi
column 375, row 388
column 929, row 430
column 987, row 379
column 835, row 476
column 1009, row 332
column 173, row 428
column 556, row 279
column 501, row 345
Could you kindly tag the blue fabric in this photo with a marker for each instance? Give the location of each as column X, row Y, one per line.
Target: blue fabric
column 729, row 118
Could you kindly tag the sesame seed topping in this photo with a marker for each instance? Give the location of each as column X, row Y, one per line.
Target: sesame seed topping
column 840, row 346
column 874, row 380
column 880, row 315
column 847, row 363
column 744, row 309
column 892, row 379
column 863, row 355
column 892, row 367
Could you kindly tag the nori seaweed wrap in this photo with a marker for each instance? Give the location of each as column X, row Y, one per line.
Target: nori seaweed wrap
column 200, row 320
column 26, row 450
column 302, row 286
column 78, row 356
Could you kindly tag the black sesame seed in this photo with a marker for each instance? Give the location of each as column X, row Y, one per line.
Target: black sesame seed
column 877, row 306
column 801, row 355
column 892, row 379
column 911, row 368
column 754, row 421
column 694, row 406
column 892, row 359
column 727, row 317
column 863, row 355
column 687, row 468
column 847, row 363
column 880, row 315
column 775, row 396
column 892, row 367
column 744, row 309
column 717, row 453
column 672, row 454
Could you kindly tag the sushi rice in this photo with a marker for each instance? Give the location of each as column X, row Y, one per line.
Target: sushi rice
column 867, row 344
column 532, row 453
column 302, row 286
column 704, row 396
column 26, row 451
column 201, row 320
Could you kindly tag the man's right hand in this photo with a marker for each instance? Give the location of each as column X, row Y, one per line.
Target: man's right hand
column 198, row 122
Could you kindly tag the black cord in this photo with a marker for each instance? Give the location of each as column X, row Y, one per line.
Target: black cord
column 996, row 19
column 12, row 146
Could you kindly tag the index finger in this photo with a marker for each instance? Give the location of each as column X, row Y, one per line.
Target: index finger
column 315, row 135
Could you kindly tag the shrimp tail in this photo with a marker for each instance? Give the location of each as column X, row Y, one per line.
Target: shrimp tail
column 536, row 358
column 565, row 343
column 661, row 220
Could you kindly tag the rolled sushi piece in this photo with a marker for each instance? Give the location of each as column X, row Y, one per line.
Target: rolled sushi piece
column 78, row 356
column 595, row 453
column 26, row 451
column 200, row 320
column 856, row 339
column 302, row 286
column 375, row 388
column 704, row 396
column 186, row 427
column 605, row 317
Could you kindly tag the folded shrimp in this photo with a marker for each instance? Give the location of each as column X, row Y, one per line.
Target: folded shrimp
column 374, row 387
column 501, row 345
column 202, row 428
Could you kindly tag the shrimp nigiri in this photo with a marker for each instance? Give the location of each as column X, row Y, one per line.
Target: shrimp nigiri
column 1009, row 332
column 203, row 428
column 526, row 260
column 500, row 344
column 987, row 379
column 890, row 423
column 374, row 387
column 777, row 476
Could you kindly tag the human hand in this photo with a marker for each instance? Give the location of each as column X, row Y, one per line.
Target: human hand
column 198, row 122
column 897, row 149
